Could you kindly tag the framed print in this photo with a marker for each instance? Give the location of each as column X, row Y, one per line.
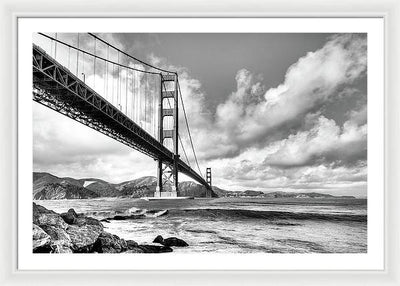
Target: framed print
column 297, row 132
column 244, row 145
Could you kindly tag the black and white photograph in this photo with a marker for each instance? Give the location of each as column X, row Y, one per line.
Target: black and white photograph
column 199, row 143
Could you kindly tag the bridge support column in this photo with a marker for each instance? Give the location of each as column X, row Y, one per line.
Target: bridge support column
column 159, row 179
column 208, row 180
column 167, row 175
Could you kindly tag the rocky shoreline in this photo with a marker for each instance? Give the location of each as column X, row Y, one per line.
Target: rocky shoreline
column 75, row 233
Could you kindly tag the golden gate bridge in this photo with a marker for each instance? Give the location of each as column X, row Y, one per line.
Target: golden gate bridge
column 91, row 81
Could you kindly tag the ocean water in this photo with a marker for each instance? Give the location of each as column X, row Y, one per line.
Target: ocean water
column 237, row 225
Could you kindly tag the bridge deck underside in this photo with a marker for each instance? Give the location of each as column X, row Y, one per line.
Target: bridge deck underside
column 57, row 88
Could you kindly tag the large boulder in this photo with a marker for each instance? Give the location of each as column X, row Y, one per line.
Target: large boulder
column 109, row 243
column 84, row 220
column 70, row 216
column 64, row 234
column 60, row 247
column 83, row 237
column 40, row 240
column 43, row 216
column 131, row 244
column 60, row 239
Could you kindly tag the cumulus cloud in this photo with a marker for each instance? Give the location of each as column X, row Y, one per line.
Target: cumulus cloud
column 324, row 142
column 249, row 171
column 247, row 118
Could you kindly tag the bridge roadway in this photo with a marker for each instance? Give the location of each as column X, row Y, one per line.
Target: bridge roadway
column 54, row 86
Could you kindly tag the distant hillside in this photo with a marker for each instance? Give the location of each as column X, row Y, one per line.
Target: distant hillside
column 146, row 186
column 56, row 191
column 40, row 180
column 48, row 186
column 219, row 192
column 100, row 187
column 142, row 187
column 192, row 189
column 250, row 193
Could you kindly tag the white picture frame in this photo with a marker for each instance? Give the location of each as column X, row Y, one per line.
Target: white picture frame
column 10, row 275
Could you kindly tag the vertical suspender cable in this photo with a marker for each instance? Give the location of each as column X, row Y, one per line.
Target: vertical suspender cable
column 94, row 69
column 140, row 87
column 104, row 79
column 136, row 98
column 155, row 93
column 69, row 56
column 134, row 95
column 55, row 47
column 112, row 77
column 83, row 66
column 132, row 103
column 126, row 93
column 145, row 101
column 77, row 59
column 153, row 110
column 107, row 70
column 118, row 87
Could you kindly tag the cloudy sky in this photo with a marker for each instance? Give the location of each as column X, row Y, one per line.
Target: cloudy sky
column 269, row 112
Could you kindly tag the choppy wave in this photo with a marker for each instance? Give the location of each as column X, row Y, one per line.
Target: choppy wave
column 271, row 215
column 135, row 213
column 131, row 213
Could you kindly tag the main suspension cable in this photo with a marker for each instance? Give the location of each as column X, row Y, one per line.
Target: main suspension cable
column 136, row 59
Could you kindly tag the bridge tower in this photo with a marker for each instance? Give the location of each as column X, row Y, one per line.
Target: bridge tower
column 208, row 176
column 208, row 179
column 168, row 107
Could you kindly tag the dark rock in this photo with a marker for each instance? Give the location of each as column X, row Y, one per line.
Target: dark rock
column 70, row 216
column 74, row 233
column 56, row 233
column 105, row 220
column 41, row 240
column 131, row 244
column 43, row 216
column 83, row 237
column 41, row 210
column 82, row 220
column 134, row 250
column 125, row 217
column 109, row 243
column 59, row 247
column 119, row 217
column 60, row 239
column 154, row 248
column 171, row 241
